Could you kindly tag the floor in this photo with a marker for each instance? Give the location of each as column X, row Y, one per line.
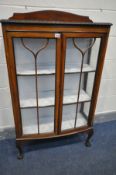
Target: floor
column 64, row 156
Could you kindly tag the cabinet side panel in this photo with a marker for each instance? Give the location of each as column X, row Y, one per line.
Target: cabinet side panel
column 12, row 81
column 101, row 58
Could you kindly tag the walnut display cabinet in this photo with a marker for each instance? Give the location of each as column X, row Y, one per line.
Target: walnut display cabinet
column 55, row 61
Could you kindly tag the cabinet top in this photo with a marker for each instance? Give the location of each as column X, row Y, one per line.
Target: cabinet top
column 50, row 17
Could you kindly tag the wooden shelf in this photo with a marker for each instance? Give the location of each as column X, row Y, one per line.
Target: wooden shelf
column 48, row 127
column 48, row 99
column 47, row 70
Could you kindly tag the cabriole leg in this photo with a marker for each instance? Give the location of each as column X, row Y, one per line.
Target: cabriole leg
column 20, row 151
column 90, row 134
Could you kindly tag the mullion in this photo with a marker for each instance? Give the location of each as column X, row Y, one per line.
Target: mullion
column 37, row 95
column 78, row 95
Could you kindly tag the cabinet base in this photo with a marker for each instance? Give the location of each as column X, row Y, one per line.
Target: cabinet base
column 24, row 139
column 20, row 150
column 88, row 140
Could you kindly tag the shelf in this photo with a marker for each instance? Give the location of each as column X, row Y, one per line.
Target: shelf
column 29, row 70
column 48, row 127
column 48, row 99
column 77, row 69
column 73, row 97
column 47, row 70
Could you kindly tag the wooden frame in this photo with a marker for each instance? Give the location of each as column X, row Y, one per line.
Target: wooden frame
column 59, row 26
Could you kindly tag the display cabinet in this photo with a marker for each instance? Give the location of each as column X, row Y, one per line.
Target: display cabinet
column 55, row 60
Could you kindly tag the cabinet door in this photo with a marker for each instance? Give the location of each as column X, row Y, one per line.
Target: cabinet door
column 80, row 55
column 35, row 60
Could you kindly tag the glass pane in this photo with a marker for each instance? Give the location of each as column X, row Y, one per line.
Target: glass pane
column 29, row 121
column 27, row 92
column 74, row 57
column 35, row 67
column 25, row 59
column 69, row 115
column 46, row 119
column 80, row 67
column 71, row 87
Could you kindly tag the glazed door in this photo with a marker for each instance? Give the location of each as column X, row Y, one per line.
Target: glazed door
column 81, row 52
column 36, row 97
